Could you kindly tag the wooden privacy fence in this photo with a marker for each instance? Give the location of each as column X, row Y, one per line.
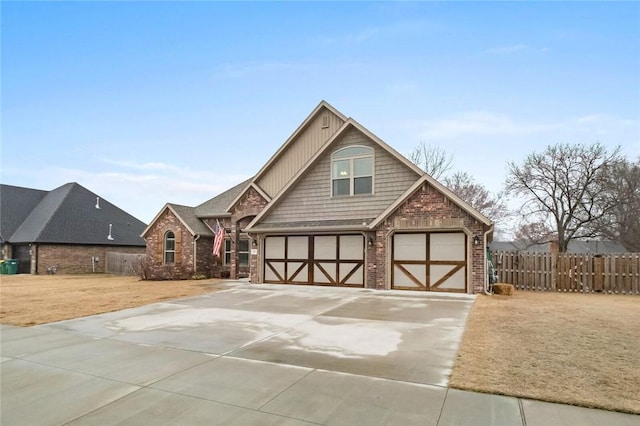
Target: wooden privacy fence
column 123, row 263
column 583, row 273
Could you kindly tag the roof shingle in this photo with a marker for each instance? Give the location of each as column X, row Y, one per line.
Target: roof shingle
column 68, row 215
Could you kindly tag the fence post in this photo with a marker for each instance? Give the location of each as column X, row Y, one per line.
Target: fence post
column 554, row 270
column 598, row 273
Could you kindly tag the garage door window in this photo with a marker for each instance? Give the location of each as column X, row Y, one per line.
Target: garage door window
column 352, row 171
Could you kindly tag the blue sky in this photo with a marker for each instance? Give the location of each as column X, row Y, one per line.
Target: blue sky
column 152, row 102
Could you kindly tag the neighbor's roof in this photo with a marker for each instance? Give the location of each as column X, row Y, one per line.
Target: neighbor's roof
column 575, row 246
column 16, row 203
column 68, row 215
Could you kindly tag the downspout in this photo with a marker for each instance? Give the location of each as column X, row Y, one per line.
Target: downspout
column 195, row 254
column 484, row 254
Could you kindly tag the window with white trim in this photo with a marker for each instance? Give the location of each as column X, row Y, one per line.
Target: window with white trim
column 169, row 247
column 352, row 171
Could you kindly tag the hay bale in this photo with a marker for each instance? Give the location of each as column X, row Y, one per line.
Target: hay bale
column 503, row 289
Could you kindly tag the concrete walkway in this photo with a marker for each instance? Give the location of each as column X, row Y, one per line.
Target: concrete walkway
column 261, row 355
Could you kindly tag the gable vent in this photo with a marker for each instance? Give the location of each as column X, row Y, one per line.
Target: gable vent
column 325, row 121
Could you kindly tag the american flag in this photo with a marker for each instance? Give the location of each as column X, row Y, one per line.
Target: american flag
column 219, row 235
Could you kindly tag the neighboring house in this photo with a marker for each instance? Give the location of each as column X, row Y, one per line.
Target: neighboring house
column 575, row 246
column 69, row 228
column 335, row 206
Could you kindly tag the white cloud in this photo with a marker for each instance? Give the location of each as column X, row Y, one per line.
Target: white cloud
column 141, row 189
column 141, row 166
column 607, row 120
column 353, row 38
column 480, row 123
column 398, row 29
column 506, row 50
column 244, row 69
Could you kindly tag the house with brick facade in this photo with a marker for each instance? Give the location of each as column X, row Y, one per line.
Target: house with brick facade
column 334, row 206
column 68, row 230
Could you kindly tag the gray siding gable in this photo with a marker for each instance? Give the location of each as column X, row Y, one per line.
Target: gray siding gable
column 311, row 200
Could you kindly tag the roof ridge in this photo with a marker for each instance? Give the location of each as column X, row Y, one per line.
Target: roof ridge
column 44, row 224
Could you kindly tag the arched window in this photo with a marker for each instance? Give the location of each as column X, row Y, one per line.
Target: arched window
column 352, row 171
column 169, row 247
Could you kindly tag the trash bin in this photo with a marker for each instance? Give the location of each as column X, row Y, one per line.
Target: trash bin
column 3, row 267
column 11, row 266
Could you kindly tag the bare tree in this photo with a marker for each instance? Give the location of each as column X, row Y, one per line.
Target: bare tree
column 622, row 223
column 432, row 159
column 476, row 195
column 564, row 189
column 533, row 233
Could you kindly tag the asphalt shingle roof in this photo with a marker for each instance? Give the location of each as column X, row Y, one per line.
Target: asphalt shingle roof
column 217, row 206
column 68, row 215
column 16, row 203
column 188, row 216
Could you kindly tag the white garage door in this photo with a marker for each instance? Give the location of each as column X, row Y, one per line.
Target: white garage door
column 429, row 261
column 335, row 260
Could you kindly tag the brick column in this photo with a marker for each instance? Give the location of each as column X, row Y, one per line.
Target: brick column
column 381, row 259
column 234, row 250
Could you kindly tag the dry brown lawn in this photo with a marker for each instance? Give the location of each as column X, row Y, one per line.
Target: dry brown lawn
column 37, row 299
column 580, row 349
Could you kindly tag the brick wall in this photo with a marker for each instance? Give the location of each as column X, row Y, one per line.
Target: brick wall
column 183, row 266
column 75, row 259
column 244, row 211
column 216, row 264
column 428, row 203
column 372, row 255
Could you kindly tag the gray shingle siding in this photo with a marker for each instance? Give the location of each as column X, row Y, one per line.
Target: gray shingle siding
column 311, row 198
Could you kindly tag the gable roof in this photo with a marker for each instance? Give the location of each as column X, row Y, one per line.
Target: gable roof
column 191, row 216
column 421, row 177
column 187, row 216
column 68, row 215
column 317, row 111
column 442, row 189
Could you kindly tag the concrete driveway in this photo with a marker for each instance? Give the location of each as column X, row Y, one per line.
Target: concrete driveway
column 255, row 354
